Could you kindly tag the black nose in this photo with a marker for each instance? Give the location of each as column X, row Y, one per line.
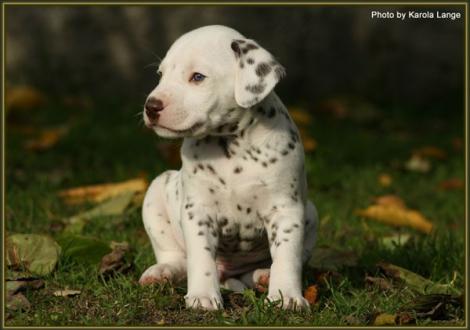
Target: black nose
column 152, row 107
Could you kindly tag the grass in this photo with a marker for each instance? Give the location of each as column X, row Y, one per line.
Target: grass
column 106, row 144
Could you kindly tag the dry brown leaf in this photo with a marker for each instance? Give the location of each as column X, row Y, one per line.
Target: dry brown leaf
column 66, row 293
column 100, row 192
column 23, row 98
column 399, row 217
column 46, row 139
column 17, row 302
column 263, row 283
column 300, row 116
column 452, row 184
column 430, row 152
column 380, row 282
column 390, row 200
column 115, row 261
column 385, row 180
column 311, row 294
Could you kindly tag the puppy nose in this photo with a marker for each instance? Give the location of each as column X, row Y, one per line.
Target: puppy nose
column 152, row 107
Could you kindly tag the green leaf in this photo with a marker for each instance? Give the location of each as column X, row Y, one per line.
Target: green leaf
column 417, row 282
column 83, row 249
column 37, row 253
column 113, row 206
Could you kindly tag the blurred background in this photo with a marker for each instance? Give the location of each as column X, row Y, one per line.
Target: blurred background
column 111, row 51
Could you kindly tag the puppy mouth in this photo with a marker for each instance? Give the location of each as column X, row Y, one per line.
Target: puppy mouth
column 182, row 131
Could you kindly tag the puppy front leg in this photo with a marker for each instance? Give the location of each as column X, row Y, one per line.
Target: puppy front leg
column 286, row 235
column 200, row 231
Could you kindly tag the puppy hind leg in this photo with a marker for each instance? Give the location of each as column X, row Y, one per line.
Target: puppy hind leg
column 171, row 258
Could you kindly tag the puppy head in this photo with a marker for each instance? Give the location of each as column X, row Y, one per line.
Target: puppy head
column 209, row 77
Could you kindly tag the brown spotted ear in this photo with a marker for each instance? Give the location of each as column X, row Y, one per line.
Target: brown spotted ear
column 257, row 72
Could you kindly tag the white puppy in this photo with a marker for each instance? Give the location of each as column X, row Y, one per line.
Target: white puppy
column 239, row 203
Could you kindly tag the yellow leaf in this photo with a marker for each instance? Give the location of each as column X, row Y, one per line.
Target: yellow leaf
column 100, row 192
column 390, row 200
column 300, row 116
column 430, row 152
column 46, row 139
column 385, row 319
column 395, row 216
column 310, row 144
column 385, row 180
column 23, row 98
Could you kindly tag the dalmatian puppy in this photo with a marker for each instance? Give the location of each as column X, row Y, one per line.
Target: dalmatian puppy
column 237, row 210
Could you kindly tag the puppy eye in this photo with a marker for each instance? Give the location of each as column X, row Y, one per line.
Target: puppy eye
column 197, row 77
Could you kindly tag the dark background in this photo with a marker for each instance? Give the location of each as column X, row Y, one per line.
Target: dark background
column 112, row 51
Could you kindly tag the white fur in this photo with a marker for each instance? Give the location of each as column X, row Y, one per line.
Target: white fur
column 239, row 202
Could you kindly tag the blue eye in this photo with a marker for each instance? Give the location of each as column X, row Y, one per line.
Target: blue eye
column 197, row 77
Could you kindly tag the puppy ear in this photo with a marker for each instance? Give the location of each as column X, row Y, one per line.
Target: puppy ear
column 257, row 72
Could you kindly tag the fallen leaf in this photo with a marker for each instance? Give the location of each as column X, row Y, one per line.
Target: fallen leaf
column 83, row 249
column 430, row 152
column 17, row 302
column 418, row 164
column 452, row 184
column 100, row 192
column 397, row 216
column 36, row 253
column 116, row 261
column 385, row 319
column 309, row 143
column 332, row 259
column 46, row 139
column 14, row 275
column 14, row 287
column 311, row 294
column 263, row 283
column 385, row 180
column 379, row 282
column 417, row 282
column 23, row 98
column 433, row 306
column 114, row 206
column 390, row 200
column 300, row 116
column 66, row 293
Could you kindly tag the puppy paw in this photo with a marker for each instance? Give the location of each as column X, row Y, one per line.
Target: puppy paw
column 209, row 303
column 161, row 273
column 297, row 303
